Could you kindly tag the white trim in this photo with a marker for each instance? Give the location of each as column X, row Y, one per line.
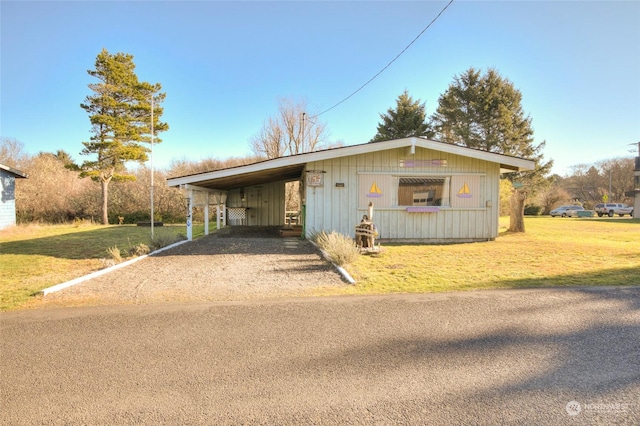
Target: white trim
column 202, row 188
column 15, row 172
column 403, row 208
column 366, row 148
column 421, row 174
column 96, row 274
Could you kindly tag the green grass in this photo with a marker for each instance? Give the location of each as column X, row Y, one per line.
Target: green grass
column 553, row 252
column 34, row 257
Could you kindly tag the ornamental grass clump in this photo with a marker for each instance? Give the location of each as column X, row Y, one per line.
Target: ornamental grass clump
column 340, row 248
column 139, row 250
column 115, row 254
column 161, row 240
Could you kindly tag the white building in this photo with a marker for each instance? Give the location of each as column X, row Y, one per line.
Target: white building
column 8, row 176
column 421, row 190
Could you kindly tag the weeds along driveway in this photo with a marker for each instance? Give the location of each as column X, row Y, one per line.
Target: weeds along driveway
column 231, row 264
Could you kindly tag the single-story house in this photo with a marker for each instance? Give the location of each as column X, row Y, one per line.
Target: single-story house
column 421, row 190
column 8, row 177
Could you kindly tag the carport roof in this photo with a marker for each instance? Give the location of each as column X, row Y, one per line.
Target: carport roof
column 291, row 167
column 15, row 172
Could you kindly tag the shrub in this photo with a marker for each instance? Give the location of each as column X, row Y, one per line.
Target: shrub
column 115, row 254
column 161, row 240
column 532, row 210
column 130, row 218
column 139, row 250
column 340, row 248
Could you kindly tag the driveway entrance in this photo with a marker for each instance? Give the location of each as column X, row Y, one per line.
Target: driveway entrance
column 233, row 263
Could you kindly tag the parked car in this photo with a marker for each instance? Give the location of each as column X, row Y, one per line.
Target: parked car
column 611, row 209
column 565, row 211
column 573, row 211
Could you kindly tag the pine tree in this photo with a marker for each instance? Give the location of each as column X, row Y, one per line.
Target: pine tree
column 485, row 112
column 119, row 111
column 408, row 119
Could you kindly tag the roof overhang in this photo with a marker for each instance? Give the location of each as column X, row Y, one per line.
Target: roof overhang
column 241, row 176
column 291, row 167
column 15, row 172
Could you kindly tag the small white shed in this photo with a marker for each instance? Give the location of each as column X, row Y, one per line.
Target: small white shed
column 8, row 176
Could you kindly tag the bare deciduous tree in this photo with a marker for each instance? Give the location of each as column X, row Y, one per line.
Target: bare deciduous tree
column 12, row 153
column 553, row 198
column 52, row 194
column 184, row 167
column 589, row 183
column 292, row 131
column 269, row 142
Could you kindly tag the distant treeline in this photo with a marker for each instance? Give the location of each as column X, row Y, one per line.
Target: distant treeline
column 53, row 193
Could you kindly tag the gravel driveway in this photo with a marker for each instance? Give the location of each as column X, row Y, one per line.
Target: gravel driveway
column 234, row 263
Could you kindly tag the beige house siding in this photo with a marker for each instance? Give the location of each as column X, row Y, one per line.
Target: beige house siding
column 264, row 203
column 340, row 207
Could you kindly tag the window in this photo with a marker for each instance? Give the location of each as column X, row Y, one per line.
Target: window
column 387, row 190
column 423, row 191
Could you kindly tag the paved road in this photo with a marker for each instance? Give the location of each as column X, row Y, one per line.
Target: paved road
column 490, row 357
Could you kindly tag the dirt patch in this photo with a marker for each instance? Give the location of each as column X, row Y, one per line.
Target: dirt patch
column 230, row 264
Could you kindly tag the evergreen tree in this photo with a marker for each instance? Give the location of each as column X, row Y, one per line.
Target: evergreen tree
column 408, row 119
column 485, row 112
column 120, row 115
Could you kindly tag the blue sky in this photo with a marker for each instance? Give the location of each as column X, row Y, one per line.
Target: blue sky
column 224, row 65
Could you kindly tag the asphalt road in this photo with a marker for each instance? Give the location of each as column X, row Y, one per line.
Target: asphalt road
column 548, row 356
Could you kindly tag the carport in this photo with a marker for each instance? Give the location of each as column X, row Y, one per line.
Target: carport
column 459, row 185
column 249, row 195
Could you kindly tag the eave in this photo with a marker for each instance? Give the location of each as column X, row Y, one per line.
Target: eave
column 291, row 167
column 15, row 172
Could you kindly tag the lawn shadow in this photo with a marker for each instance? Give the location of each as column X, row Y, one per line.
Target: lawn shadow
column 265, row 243
column 603, row 277
column 618, row 220
column 518, row 360
column 87, row 244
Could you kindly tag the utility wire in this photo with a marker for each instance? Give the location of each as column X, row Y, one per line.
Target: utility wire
column 392, row 61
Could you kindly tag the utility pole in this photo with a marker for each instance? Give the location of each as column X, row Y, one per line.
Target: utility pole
column 151, row 166
column 609, row 182
column 302, row 147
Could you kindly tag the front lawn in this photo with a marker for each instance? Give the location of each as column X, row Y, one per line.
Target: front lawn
column 34, row 257
column 553, row 252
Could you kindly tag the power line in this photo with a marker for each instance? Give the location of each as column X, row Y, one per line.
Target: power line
column 392, row 61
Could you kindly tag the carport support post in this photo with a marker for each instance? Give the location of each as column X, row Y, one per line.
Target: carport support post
column 189, row 217
column 206, row 214
column 224, row 214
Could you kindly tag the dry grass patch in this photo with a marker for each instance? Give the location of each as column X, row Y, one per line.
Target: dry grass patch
column 340, row 248
column 34, row 257
column 553, row 252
